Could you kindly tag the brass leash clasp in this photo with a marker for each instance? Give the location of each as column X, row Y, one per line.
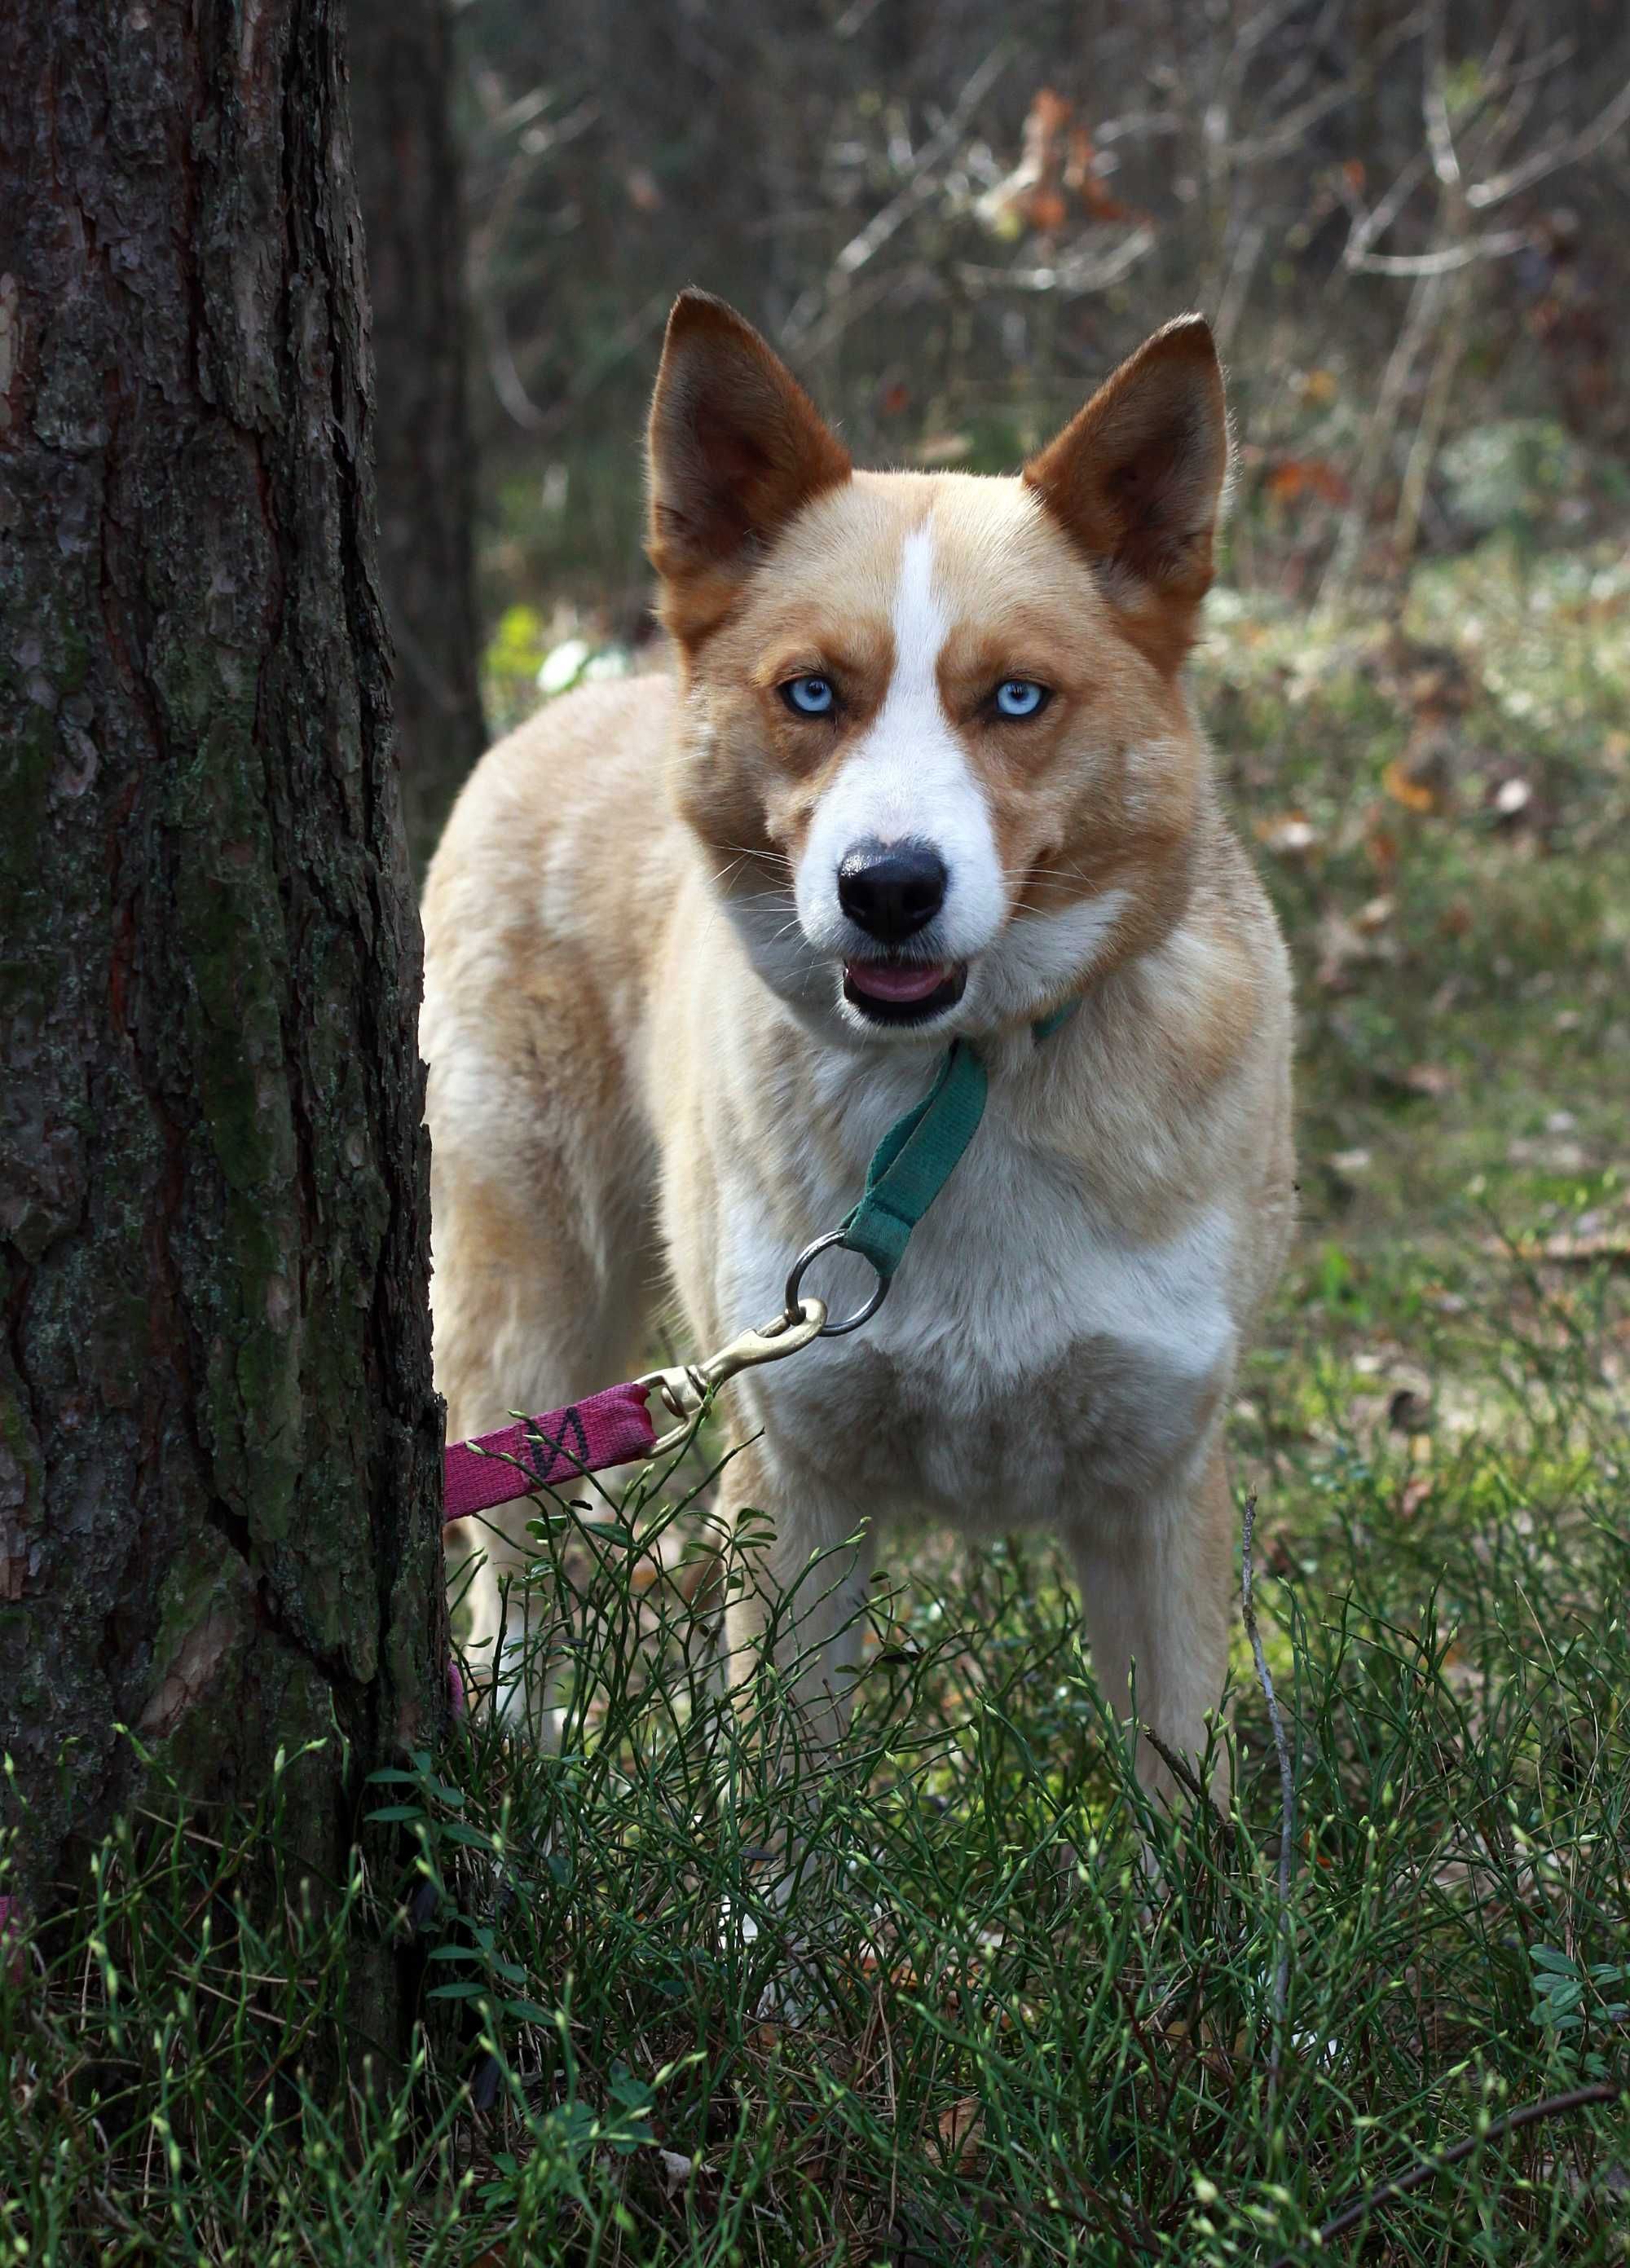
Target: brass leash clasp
column 686, row 1388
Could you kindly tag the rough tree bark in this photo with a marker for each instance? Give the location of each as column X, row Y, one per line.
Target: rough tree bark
column 219, row 1440
column 402, row 67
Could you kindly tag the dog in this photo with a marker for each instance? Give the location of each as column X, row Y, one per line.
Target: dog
column 924, row 768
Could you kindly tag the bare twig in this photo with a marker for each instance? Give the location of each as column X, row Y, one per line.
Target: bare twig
column 1303, row 56
column 1236, row 285
column 506, row 380
column 1423, row 312
column 1527, row 2115
column 1498, row 244
column 1508, row 37
column 1492, row 134
column 1489, row 130
column 1289, row 128
column 1440, row 137
column 1183, row 1772
column 1077, row 273
column 1289, row 132
column 1136, row 126
column 1288, row 1778
column 1568, row 152
column 920, row 184
column 1368, row 224
column 1451, row 348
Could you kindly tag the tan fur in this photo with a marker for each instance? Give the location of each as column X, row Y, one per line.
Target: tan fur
column 618, row 1095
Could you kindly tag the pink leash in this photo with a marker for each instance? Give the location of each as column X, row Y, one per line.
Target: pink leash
column 612, row 1428
column 608, row 1429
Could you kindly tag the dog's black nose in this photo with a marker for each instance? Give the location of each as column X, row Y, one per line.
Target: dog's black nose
column 891, row 890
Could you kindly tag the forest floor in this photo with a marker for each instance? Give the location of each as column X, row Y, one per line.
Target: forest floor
column 966, row 2028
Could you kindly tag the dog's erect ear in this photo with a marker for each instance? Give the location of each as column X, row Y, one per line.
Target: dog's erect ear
column 1136, row 478
column 735, row 447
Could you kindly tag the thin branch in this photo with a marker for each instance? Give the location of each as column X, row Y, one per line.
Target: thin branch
column 1423, row 305
column 918, row 185
column 1367, row 226
column 1498, row 244
column 1183, row 1772
column 1521, row 87
column 1287, row 1777
column 1236, row 284
column 1075, row 275
column 1585, row 143
column 1451, row 347
column 1289, row 132
column 1528, row 2114
column 1507, row 38
column 1136, row 126
column 1435, row 110
column 1292, row 128
column 1305, row 54
column 506, row 380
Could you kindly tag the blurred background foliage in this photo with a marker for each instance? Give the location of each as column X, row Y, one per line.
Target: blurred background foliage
column 1405, row 222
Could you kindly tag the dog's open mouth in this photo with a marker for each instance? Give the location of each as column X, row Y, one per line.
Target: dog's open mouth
column 903, row 991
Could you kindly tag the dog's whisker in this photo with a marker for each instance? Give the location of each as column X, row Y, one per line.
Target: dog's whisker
column 747, row 851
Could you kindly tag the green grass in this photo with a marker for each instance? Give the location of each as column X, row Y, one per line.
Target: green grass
column 693, row 1994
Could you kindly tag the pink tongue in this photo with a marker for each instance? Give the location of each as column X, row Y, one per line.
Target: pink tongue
column 883, row 980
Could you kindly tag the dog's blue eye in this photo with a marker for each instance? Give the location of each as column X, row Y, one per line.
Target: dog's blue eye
column 1017, row 696
column 809, row 696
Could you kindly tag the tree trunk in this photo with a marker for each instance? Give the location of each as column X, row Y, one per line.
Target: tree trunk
column 218, row 1441
column 408, row 171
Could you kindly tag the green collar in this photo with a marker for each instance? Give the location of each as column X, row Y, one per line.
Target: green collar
column 920, row 1152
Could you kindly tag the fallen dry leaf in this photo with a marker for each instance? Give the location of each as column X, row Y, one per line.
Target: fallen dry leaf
column 1053, row 167
column 1381, row 849
column 959, row 2131
column 676, row 2170
column 1293, row 478
column 1417, row 790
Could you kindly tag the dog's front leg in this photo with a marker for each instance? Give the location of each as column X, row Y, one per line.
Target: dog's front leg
column 798, row 1566
column 1156, row 1580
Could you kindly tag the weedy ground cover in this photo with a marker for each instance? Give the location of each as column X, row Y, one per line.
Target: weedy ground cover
column 694, row 1993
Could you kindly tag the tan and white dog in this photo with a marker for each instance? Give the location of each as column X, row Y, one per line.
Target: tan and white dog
column 927, row 768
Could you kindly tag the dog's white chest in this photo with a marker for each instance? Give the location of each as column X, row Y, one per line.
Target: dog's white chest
column 1028, row 1359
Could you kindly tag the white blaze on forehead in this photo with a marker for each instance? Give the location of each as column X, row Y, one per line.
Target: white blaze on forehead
column 920, row 628
column 909, row 780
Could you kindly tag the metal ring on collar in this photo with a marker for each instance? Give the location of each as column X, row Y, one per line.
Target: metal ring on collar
column 794, row 1287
